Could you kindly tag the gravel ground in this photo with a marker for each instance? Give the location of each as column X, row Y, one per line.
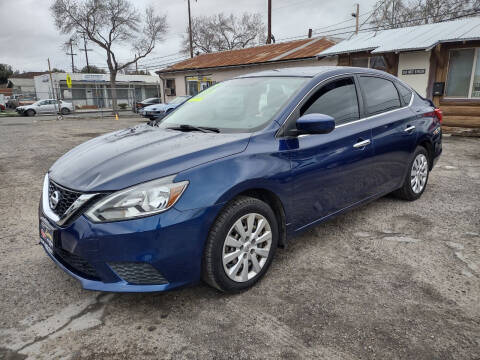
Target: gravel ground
column 390, row 280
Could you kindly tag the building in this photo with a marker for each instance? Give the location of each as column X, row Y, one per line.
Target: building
column 24, row 83
column 440, row 61
column 193, row 75
column 91, row 91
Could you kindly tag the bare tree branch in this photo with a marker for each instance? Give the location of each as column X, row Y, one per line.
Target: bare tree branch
column 402, row 13
column 219, row 32
column 109, row 23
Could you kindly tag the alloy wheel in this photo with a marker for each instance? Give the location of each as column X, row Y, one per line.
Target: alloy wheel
column 418, row 174
column 247, row 247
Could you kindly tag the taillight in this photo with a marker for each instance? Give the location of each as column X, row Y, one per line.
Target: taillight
column 439, row 114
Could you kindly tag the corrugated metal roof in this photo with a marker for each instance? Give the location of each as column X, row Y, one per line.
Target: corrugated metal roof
column 418, row 37
column 291, row 50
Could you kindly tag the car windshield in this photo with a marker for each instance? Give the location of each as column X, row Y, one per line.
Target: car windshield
column 150, row 100
column 178, row 100
column 238, row 105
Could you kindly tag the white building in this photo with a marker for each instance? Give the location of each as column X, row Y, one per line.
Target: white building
column 94, row 90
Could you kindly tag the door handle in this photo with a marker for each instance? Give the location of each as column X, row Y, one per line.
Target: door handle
column 410, row 128
column 361, row 144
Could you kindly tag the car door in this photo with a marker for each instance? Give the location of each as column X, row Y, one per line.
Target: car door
column 393, row 129
column 330, row 171
column 46, row 106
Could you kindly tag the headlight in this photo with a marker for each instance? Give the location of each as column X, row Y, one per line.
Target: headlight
column 141, row 200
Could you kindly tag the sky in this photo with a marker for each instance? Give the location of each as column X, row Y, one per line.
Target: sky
column 29, row 36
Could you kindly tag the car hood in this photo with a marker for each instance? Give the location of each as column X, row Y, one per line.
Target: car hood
column 156, row 107
column 127, row 157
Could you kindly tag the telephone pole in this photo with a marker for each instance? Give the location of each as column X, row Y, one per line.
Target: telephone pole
column 357, row 14
column 190, row 29
column 269, row 35
column 54, row 95
column 70, row 43
column 86, row 51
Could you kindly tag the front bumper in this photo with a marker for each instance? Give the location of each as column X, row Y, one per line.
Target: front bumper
column 155, row 253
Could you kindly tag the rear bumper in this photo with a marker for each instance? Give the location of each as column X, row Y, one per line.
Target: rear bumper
column 169, row 246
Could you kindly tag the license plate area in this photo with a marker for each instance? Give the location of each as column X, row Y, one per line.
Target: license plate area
column 48, row 235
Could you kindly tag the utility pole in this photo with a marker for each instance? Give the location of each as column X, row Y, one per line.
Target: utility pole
column 356, row 15
column 136, row 66
column 51, row 82
column 190, row 29
column 269, row 35
column 86, row 51
column 393, row 13
column 70, row 42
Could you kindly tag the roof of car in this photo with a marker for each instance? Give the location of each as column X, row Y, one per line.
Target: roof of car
column 313, row 71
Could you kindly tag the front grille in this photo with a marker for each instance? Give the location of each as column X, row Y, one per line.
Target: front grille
column 76, row 264
column 66, row 197
column 138, row 273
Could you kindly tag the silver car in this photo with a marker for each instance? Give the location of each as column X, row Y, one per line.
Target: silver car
column 47, row 106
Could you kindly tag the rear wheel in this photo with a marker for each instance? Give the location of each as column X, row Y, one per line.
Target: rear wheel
column 241, row 245
column 416, row 180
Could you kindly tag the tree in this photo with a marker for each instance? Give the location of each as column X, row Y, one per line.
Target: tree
column 5, row 72
column 399, row 13
column 92, row 69
column 219, row 32
column 109, row 24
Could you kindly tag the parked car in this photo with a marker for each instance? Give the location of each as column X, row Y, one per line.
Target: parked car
column 141, row 104
column 48, row 106
column 19, row 100
column 158, row 111
column 212, row 190
column 2, row 107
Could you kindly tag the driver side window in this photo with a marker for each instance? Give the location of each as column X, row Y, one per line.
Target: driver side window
column 337, row 99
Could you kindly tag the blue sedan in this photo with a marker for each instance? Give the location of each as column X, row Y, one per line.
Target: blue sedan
column 159, row 111
column 213, row 189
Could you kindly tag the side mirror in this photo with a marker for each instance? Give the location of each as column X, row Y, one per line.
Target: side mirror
column 315, row 124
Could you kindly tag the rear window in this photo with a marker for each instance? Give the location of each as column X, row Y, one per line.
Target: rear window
column 405, row 93
column 380, row 94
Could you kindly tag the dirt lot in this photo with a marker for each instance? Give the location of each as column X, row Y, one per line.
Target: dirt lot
column 389, row 280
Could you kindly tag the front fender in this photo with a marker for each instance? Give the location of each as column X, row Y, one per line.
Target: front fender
column 261, row 166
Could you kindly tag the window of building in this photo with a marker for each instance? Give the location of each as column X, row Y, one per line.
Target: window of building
column 337, row 99
column 463, row 78
column 380, row 94
column 151, row 92
column 195, row 84
column 372, row 62
column 170, row 87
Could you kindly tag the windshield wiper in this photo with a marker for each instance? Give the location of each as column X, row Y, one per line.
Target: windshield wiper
column 205, row 129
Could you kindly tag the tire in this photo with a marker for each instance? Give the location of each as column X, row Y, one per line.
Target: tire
column 420, row 165
column 30, row 112
column 240, row 211
column 65, row 111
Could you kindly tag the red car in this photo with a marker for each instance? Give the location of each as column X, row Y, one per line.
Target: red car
column 2, row 107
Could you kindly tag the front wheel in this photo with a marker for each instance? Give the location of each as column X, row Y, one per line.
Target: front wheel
column 241, row 245
column 416, row 180
column 30, row 112
column 65, row 111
